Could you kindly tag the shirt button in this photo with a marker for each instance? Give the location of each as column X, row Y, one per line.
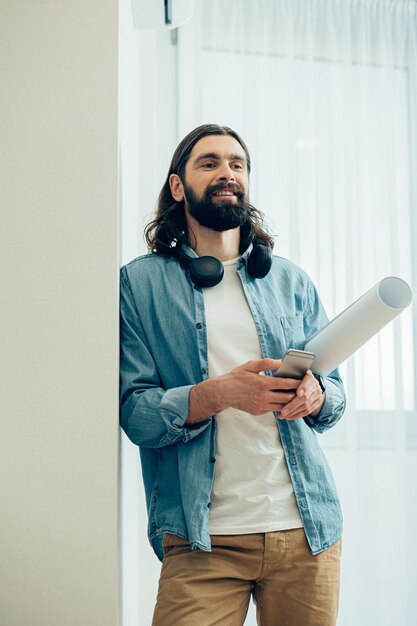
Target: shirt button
column 293, row 460
column 199, row 326
column 203, row 371
column 212, row 459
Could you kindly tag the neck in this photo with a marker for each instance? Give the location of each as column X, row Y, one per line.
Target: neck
column 205, row 241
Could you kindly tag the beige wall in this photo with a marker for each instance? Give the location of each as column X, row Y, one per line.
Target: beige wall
column 58, row 296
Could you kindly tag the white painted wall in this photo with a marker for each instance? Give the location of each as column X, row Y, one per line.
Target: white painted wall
column 59, row 321
column 148, row 137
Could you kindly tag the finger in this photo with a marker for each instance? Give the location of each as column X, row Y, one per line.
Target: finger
column 275, row 382
column 303, row 413
column 305, row 392
column 261, row 365
column 295, row 405
column 295, row 416
column 281, row 397
column 300, row 410
column 275, row 408
column 308, row 386
column 288, row 414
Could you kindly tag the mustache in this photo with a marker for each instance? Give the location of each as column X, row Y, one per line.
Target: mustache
column 233, row 187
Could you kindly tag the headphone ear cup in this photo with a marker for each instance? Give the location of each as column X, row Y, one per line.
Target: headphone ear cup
column 259, row 261
column 206, row 271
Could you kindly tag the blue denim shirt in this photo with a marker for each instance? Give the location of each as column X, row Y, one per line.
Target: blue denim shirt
column 164, row 354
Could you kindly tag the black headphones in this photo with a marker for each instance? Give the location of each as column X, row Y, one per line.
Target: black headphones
column 207, row 271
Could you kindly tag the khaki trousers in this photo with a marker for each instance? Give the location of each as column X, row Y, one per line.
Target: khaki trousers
column 289, row 585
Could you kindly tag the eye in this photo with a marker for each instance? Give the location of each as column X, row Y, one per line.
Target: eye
column 209, row 165
column 237, row 166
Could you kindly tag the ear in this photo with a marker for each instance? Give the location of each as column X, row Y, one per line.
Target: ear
column 177, row 188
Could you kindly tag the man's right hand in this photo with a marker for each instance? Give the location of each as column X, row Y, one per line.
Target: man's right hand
column 243, row 388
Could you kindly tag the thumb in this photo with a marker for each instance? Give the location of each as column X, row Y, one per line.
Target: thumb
column 260, row 365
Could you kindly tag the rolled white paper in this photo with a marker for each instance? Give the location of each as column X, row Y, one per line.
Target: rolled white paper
column 349, row 330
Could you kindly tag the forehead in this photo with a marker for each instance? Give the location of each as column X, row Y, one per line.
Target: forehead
column 223, row 145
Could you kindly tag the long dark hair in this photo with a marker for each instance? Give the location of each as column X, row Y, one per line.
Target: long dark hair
column 170, row 224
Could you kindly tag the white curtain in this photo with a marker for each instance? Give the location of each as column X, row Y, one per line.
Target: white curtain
column 324, row 92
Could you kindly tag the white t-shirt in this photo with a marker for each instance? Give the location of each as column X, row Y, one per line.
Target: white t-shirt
column 252, row 490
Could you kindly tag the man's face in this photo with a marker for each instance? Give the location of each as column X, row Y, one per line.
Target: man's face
column 216, row 183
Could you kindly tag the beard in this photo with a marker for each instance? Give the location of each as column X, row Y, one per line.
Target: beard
column 218, row 215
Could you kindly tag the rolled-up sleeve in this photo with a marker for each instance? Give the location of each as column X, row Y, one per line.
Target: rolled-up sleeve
column 150, row 415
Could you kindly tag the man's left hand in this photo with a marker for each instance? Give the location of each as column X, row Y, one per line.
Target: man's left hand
column 308, row 400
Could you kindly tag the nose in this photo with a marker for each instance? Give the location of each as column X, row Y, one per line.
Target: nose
column 226, row 174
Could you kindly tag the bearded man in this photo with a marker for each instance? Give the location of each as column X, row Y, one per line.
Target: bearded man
column 240, row 498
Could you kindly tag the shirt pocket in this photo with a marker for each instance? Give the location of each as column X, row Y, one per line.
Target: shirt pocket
column 293, row 329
